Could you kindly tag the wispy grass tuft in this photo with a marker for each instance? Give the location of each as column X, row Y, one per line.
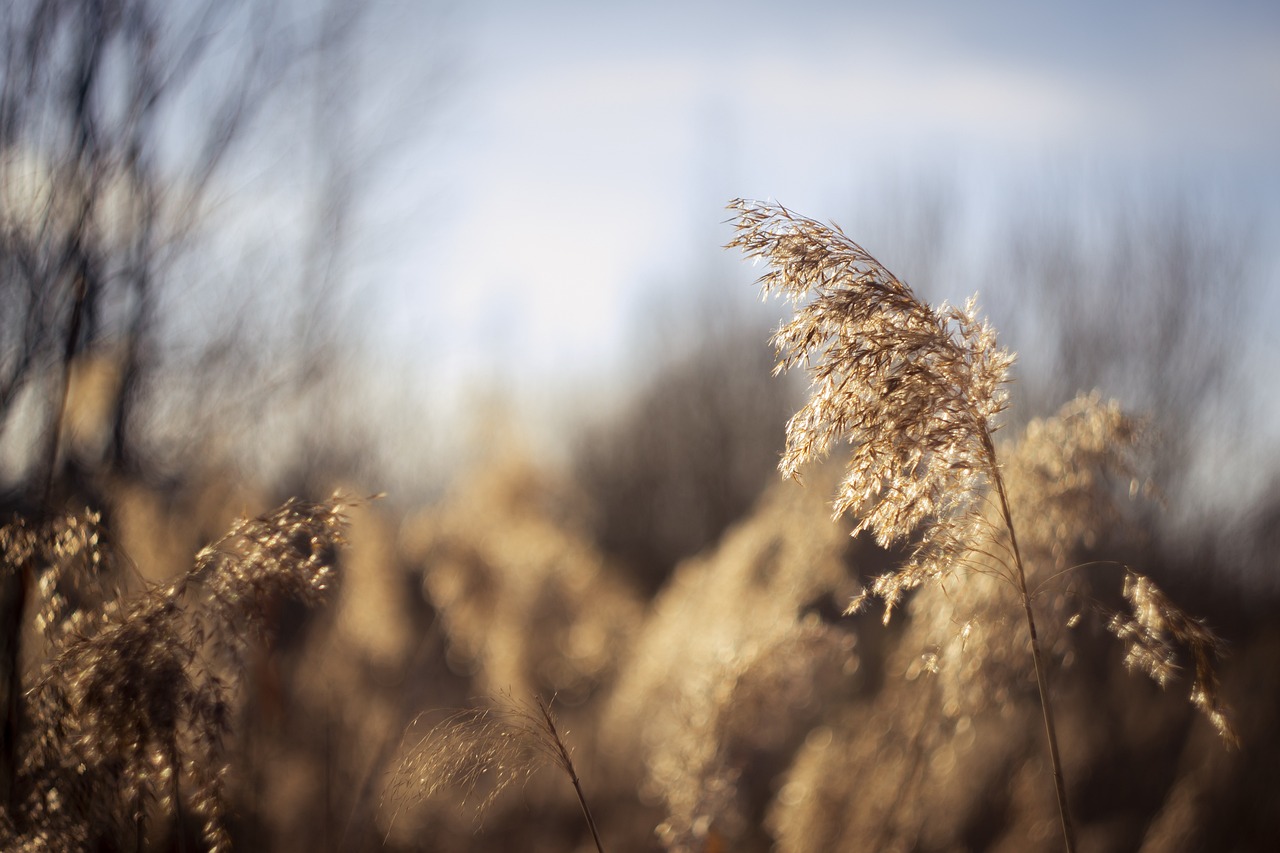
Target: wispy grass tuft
column 1155, row 632
column 480, row 753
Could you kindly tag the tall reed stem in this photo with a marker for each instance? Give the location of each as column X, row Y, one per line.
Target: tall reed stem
column 1042, row 678
column 567, row 763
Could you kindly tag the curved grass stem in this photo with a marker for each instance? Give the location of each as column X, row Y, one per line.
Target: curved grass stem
column 1042, row 677
column 566, row 763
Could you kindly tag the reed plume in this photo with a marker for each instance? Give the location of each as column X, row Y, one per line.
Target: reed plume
column 130, row 717
column 916, row 392
column 913, row 391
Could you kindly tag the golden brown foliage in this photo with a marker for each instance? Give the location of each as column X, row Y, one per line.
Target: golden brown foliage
column 915, row 393
column 731, row 667
column 526, row 601
column 1155, row 631
column 133, row 713
column 477, row 754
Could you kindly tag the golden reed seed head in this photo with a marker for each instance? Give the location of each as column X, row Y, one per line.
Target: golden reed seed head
column 912, row 390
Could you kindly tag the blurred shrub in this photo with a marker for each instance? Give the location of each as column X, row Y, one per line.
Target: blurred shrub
column 732, row 668
column 528, row 604
column 691, row 447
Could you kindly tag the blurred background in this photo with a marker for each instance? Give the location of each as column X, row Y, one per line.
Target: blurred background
column 448, row 215
column 269, row 248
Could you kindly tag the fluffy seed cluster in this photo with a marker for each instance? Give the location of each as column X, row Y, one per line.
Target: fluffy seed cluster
column 915, row 393
column 67, row 560
column 912, row 390
column 130, row 716
column 1156, row 631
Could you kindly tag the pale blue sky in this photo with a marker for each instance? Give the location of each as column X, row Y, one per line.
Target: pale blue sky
column 542, row 173
column 584, row 150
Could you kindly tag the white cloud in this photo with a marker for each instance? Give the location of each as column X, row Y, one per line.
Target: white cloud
column 587, row 143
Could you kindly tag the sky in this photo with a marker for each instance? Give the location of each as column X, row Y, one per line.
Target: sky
column 581, row 153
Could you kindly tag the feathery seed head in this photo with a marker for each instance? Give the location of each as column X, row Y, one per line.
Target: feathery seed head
column 914, row 391
column 477, row 754
column 1154, row 633
column 135, row 706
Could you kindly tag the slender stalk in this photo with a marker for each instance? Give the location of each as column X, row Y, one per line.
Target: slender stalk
column 1042, row 677
column 567, row 763
column 13, row 715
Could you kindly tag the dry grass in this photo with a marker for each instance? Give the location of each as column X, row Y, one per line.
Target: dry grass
column 915, row 393
column 731, row 669
column 528, row 605
column 478, row 754
column 737, row 709
column 127, row 723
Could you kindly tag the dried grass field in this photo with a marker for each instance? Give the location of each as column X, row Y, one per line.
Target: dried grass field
column 841, row 573
column 986, row 664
